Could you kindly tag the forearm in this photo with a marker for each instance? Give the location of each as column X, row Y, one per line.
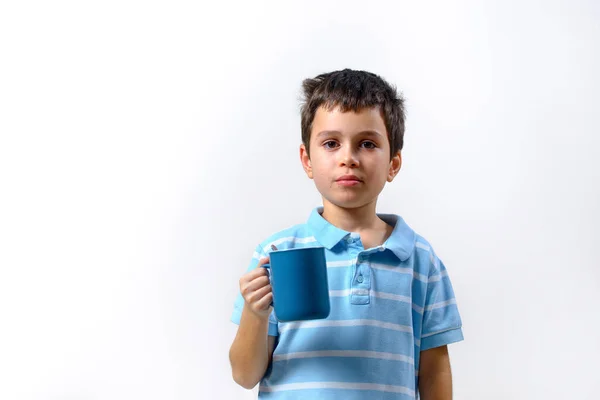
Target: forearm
column 436, row 386
column 249, row 355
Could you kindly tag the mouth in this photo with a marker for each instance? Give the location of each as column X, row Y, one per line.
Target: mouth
column 348, row 180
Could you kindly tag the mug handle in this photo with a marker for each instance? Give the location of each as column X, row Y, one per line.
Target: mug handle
column 268, row 267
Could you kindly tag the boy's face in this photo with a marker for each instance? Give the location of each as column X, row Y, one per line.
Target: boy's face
column 349, row 156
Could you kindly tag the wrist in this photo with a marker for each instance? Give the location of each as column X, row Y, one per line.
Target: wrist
column 260, row 317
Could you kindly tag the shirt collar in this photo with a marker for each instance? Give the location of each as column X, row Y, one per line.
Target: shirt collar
column 326, row 233
column 401, row 242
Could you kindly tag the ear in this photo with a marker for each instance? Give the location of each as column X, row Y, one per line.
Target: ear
column 305, row 160
column 395, row 165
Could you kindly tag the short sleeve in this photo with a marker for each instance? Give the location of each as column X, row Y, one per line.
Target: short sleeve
column 442, row 324
column 238, row 306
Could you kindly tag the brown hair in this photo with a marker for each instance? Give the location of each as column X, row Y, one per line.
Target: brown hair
column 352, row 90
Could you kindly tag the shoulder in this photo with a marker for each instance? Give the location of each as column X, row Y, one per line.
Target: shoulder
column 424, row 258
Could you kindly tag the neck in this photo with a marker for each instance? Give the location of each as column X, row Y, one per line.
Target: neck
column 352, row 219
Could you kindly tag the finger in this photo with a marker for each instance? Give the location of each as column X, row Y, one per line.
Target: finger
column 255, row 284
column 258, row 294
column 263, row 261
column 252, row 275
column 259, row 270
column 247, row 287
column 265, row 302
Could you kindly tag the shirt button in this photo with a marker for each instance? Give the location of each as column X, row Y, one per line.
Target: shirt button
column 349, row 239
column 360, row 279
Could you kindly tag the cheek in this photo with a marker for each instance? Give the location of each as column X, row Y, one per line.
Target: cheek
column 380, row 172
column 321, row 174
column 320, row 165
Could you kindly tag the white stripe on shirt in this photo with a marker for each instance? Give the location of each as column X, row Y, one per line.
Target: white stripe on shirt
column 338, row 385
column 389, row 296
column 337, row 264
column 285, row 326
column 438, row 277
column 441, row 304
column 292, row 239
column 400, row 270
column 344, row 353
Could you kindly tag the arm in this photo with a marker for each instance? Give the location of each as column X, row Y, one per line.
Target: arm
column 252, row 348
column 251, row 351
column 435, row 377
column 441, row 326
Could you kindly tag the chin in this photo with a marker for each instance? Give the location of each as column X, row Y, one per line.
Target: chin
column 346, row 203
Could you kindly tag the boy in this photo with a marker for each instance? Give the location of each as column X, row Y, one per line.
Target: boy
column 393, row 309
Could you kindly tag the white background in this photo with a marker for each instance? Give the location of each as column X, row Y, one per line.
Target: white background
column 147, row 147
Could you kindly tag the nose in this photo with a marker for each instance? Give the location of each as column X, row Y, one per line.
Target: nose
column 347, row 157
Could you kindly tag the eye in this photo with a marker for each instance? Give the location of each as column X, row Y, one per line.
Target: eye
column 330, row 144
column 368, row 145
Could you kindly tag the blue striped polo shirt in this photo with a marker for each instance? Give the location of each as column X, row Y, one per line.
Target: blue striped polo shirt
column 388, row 303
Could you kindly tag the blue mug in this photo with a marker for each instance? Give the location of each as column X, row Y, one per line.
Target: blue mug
column 299, row 283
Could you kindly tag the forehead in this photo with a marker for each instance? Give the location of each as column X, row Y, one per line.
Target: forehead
column 350, row 122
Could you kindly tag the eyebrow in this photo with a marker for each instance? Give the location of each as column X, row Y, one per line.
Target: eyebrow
column 367, row 132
